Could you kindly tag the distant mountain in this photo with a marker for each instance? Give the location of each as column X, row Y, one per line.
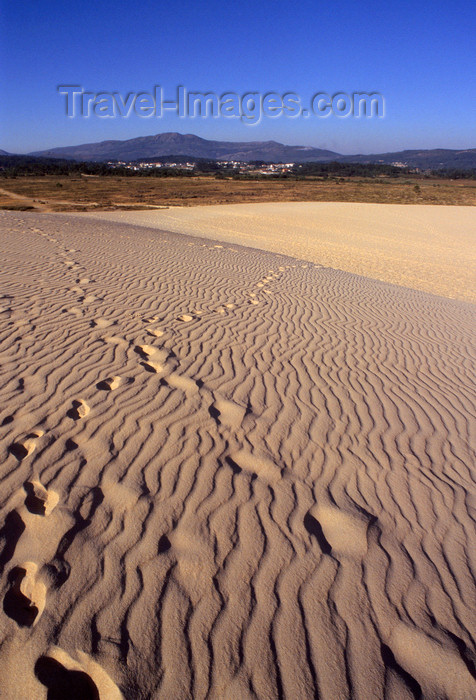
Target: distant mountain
column 433, row 159
column 189, row 145
column 4, row 153
column 150, row 147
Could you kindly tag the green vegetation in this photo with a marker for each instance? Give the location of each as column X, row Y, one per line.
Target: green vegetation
column 12, row 166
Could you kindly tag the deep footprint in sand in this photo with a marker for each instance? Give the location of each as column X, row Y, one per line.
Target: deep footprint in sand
column 109, row 384
column 24, row 447
column 72, row 679
column 256, row 465
column 345, row 532
column 75, row 311
column 178, row 381
column 163, row 545
column 80, row 409
column 153, row 367
column 39, row 500
column 314, row 529
column 101, row 323
column 25, row 600
column 146, row 350
column 115, row 340
column 438, row 672
column 154, row 358
column 185, row 318
column 156, row 332
column 227, row 413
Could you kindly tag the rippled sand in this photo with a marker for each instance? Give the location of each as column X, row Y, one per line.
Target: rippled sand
column 432, row 248
column 228, row 474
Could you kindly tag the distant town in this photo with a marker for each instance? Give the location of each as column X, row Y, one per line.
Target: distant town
column 233, row 165
column 192, row 166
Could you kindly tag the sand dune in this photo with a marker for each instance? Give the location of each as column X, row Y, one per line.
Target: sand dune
column 203, row 497
column 426, row 247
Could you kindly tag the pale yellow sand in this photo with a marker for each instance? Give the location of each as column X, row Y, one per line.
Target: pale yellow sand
column 426, row 247
column 228, row 474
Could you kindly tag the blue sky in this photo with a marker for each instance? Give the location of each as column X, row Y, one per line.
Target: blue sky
column 419, row 55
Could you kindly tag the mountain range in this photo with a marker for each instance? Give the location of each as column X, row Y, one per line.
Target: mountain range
column 175, row 144
column 188, row 145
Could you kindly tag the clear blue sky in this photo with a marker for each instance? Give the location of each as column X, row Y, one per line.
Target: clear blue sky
column 420, row 55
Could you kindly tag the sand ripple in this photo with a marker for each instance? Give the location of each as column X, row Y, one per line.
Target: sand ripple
column 263, row 500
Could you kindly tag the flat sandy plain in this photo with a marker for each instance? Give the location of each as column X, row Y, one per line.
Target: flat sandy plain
column 227, row 473
column 427, row 247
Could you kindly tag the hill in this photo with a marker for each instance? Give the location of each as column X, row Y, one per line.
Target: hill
column 189, row 145
column 194, row 147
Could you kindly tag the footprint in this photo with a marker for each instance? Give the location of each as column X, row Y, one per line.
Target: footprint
column 10, row 534
column 227, row 413
column 233, row 465
column 101, row 323
column 24, row 447
column 159, row 357
column 345, row 532
column 79, row 410
column 178, row 381
column 155, row 332
column 109, row 384
column 146, row 350
column 440, row 672
column 115, row 340
column 75, row 311
column 256, row 465
column 25, row 600
column 164, row 545
column 62, row 683
column 314, row 528
column 40, row 500
column 150, row 319
column 69, row 679
column 185, row 318
column 154, row 367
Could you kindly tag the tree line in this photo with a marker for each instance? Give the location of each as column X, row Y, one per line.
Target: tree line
column 19, row 166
